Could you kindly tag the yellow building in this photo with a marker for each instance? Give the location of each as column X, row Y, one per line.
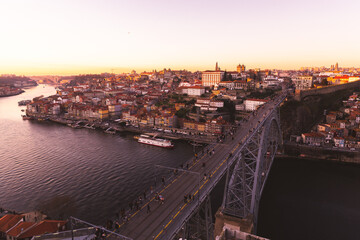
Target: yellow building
column 103, row 113
column 178, row 106
column 189, row 125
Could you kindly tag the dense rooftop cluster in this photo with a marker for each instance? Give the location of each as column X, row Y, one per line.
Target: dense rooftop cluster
column 205, row 101
column 340, row 128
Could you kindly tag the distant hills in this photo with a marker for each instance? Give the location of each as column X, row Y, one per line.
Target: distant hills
column 17, row 81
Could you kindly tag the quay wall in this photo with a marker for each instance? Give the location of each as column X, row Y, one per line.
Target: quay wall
column 300, row 95
column 321, row 153
column 206, row 139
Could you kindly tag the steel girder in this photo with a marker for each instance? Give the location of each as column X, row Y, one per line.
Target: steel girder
column 252, row 166
column 200, row 225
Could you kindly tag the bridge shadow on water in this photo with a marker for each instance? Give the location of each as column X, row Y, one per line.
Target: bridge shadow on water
column 310, row 200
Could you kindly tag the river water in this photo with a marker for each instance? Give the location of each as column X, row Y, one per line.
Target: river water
column 86, row 173
column 91, row 175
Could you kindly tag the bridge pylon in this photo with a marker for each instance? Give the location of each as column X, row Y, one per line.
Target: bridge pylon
column 246, row 178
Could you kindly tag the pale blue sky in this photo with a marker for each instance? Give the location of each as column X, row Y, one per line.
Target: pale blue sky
column 50, row 36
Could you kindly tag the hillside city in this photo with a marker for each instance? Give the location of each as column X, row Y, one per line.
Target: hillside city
column 182, row 102
column 199, row 106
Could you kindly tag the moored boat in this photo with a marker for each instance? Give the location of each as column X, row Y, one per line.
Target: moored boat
column 110, row 130
column 25, row 117
column 154, row 141
column 89, row 126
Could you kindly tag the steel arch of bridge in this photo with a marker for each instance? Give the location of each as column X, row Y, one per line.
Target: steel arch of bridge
column 246, row 178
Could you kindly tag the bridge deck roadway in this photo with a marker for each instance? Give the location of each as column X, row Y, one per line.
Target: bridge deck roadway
column 165, row 219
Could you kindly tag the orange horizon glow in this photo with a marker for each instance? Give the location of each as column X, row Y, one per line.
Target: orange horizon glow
column 76, row 70
column 65, row 37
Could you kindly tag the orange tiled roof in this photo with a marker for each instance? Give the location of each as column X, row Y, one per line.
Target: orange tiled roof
column 313, row 134
column 46, row 226
column 8, row 221
column 21, row 227
column 259, row 100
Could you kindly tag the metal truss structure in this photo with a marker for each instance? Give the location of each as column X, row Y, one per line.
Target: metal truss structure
column 246, row 179
column 200, row 225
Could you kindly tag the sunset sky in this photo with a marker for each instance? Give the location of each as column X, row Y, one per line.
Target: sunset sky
column 90, row 36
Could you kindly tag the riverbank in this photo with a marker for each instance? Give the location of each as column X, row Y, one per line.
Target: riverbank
column 173, row 133
column 320, row 153
column 12, row 94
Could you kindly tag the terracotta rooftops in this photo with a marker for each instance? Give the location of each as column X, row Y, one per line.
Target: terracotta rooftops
column 8, row 221
column 46, row 226
column 20, row 228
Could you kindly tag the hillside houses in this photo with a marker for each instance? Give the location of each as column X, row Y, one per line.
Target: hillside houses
column 157, row 99
column 340, row 129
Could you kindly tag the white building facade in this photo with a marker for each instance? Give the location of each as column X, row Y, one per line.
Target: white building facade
column 253, row 104
column 211, row 78
column 303, row 82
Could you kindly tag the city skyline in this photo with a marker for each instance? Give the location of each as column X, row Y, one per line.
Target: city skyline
column 75, row 37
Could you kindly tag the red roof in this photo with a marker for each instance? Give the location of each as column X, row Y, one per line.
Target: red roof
column 46, row 226
column 21, row 227
column 342, row 77
column 313, row 134
column 259, row 100
column 195, row 87
column 8, row 221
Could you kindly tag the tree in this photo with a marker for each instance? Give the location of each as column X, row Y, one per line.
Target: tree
column 181, row 113
column 191, row 102
column 194, row 109
column 324, row 81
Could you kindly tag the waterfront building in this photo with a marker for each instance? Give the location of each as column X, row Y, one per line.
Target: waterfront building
column 114, row 109
column 193, row 125
column 313, row 138
column 339, row 142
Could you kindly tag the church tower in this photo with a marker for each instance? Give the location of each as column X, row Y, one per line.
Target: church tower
column 217, row 67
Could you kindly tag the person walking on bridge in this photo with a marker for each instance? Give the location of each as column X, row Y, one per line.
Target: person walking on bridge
column 163, row 181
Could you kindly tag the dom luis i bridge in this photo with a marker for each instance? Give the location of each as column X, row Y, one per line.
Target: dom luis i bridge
column 244, row 158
